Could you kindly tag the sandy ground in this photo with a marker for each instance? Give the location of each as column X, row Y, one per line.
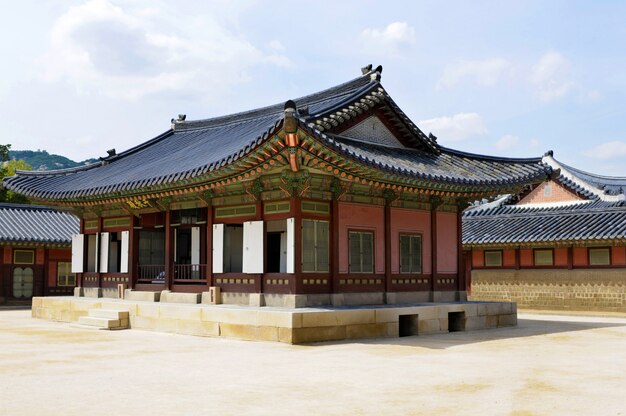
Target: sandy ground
column 548, row 365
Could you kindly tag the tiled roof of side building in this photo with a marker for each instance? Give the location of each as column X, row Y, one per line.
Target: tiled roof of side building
column 194, row 148
column 599, row 216
column 36, row 224
column 583, row 222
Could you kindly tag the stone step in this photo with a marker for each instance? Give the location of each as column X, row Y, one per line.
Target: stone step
column 103, row 323
column 108, row 314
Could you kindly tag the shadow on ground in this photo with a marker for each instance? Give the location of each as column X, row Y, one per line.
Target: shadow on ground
column 527, row 327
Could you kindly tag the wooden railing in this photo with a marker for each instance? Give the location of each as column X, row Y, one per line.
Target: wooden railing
column 151, row 273
column 187, row 272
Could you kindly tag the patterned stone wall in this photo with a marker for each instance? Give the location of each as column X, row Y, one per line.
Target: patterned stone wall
column 576, row 290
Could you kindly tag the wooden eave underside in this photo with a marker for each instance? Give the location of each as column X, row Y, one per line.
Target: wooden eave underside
column 273, row 154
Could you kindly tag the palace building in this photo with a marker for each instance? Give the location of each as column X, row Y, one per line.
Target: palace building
column 36, row 252
column 333, row 198
column 560, row 244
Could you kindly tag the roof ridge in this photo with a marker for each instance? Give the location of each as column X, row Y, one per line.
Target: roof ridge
column 312, row 98
column 546, row 212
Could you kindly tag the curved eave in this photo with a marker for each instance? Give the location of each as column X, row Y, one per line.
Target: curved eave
column 477, row 185
column 157, row 183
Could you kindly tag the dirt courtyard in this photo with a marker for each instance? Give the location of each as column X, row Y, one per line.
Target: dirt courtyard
column 547, row 365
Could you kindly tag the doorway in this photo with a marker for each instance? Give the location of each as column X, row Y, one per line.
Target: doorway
column 23, row 282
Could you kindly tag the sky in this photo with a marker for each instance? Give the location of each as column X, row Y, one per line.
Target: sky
column 511, row 79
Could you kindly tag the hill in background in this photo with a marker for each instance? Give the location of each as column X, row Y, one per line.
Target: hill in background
column 42, row 160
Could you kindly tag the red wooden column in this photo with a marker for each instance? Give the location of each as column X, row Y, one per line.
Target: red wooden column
column 209, row 245
column 79, row 277
column 133, row 250
column 334, row 246
column 517, row 259
column 98, row 246
column 570, row 258
column 169, row 251
column 434, row 202
column 460, row 266
column 387, row 247
column 297, row 260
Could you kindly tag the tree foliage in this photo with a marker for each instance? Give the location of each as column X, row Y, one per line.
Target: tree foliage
column 8, row 168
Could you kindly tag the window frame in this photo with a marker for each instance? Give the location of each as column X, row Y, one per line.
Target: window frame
column 16, row 251
column 421, row 252
column 315, row 221
column 610, row 258
column 485, row 252
column 68, row 273
column 361, row 232
column 545, row 250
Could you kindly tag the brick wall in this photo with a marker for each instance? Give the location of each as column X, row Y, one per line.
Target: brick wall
column 549, row 191
column 577, row 290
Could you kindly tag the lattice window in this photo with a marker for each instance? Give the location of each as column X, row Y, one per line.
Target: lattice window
column 361, row 248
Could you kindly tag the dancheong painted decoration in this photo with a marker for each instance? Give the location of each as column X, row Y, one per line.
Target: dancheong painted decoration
column 333, row 198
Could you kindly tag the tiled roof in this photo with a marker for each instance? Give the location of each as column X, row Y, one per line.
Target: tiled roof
column 36, row 224
column 601, row 216
column 194, row 148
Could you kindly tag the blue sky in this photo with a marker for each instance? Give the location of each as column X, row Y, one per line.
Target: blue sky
column 502, row 78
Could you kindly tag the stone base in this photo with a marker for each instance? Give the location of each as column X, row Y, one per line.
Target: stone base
column 290, row 325
column 142, row 296
column 179, row 297
column 92, row 292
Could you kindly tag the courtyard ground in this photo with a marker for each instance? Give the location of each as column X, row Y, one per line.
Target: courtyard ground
column 548, row 365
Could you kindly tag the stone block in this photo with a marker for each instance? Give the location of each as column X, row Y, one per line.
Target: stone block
column 354, row 299
column 99, row 322
column 108, row 314
column 142, row 296
column 166, row 325
column 357, row 316
column 318, row 334
column 444, row 296
column 393, row 330
column 78, row 292
column 84, row 304
column 109, row 293
column 242, row 316
column 285, row 335
column 473, row 323
column 471, row 309
column 198, row 328
column 256, row 299
column 491, row 321
column 129, row 307
column 174, row 311
column 248, row 332
column 336, row 299
column 429, row 326
column 212, row 297
column 319, row 319
column 312, row 300
column 370, row 330
column 147, row 310
column 230, row 298
column 279, row 319
column 144, row 322
column 507, row 320
column 267, row 333
column 179, row 297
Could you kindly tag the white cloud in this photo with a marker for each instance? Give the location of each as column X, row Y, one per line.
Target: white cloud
column 486, row 72
column 609, row 150
column 276, row 45
column 455, row 128
column 130, row 53
column 507, row 142
column 551, row 77
column 392, row 39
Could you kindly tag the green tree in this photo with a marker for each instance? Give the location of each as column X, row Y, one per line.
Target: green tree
column 8, row 168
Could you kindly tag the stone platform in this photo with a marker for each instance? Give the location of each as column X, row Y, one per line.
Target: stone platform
column 295, row 326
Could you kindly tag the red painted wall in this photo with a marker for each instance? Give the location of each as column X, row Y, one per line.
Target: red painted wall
column 508, row 258
column 447, row 243
column 580, row 256
column 526, row 258
column 618, row 256
column 478, row 258
column 409, row 221
column 560, row 257
column 52, row 273
column 8, row 255
column 363, row 217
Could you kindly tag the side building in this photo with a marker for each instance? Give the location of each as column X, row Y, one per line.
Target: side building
column 333, row 198
column 36, row 252
column 557, row 245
